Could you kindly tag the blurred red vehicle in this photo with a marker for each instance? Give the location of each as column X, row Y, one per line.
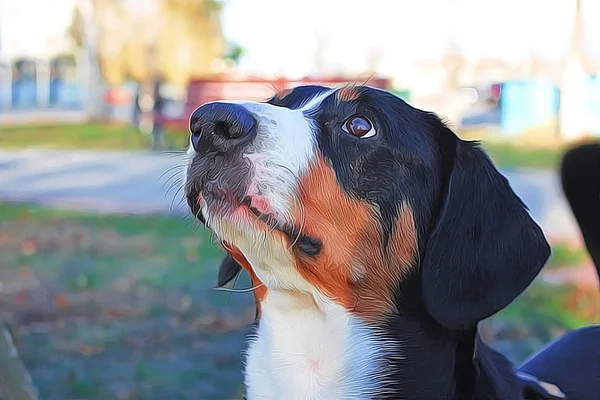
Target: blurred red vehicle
column 201, row 91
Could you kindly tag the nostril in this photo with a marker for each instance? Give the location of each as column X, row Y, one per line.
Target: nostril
column 223, row 129
column 214, row 125
column 196, row 138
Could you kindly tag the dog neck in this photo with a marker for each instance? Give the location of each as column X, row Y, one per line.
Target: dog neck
column 308, row 347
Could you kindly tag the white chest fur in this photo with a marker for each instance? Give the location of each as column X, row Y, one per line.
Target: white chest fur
column 309, row 351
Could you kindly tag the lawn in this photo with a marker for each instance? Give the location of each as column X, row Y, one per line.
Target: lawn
column 508, row 155
column 123, row 137
column 92, row 136
column 564, row 255
column 121, row 307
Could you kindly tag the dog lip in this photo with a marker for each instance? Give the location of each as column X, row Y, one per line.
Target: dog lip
column 193, row 199
column 308, row 245
column 267, row 218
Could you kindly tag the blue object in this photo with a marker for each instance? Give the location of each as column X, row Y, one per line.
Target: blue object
column 526, row 104
column 24, row 93
column 65, row 95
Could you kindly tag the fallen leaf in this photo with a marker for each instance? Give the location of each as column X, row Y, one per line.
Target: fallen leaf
column 61, row 301
column 88, row 350
column 192, row 255
column 115, row 313
column 21, row 297
column 25, row 272
column 29, row 247
column 145, row 250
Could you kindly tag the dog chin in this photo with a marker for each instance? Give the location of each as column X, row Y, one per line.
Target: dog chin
column 243, row 230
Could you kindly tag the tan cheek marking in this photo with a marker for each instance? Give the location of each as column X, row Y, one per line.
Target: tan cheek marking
column 259, row 293
column 352, row 266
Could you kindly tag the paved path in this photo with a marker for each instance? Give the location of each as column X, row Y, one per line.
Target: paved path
column 132, row 183
column 101, row 181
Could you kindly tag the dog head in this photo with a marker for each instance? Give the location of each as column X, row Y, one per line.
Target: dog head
column 349, row 192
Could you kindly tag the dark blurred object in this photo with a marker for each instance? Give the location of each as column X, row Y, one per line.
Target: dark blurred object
column 580, row 179
column 539, row 390
column 570, row 363
column 148, row 111
column 157, row 115
column 143, row 108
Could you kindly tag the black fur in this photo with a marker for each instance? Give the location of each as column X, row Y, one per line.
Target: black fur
column 485, row 249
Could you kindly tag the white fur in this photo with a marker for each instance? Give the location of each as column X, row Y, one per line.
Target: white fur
column 283, row 149
column 304, row 352
column 306, row 346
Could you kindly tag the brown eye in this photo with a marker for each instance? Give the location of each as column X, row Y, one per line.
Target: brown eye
column 359, row 126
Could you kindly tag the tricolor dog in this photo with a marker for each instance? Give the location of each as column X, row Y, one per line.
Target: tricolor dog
column 376, row 241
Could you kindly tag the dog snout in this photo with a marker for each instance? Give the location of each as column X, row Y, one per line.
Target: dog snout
column 218, row 127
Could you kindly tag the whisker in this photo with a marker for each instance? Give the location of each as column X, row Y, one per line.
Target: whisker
column 302, row 219
column 197, row 225
column 173, row 175
column 368, row 79
column 170, row 169
column 237, row 276
column 300, row 206
column 173, row 154
column 250, row 289
column 174, row 197
column 178, row 182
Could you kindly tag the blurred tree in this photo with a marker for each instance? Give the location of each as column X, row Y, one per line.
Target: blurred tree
column 454, row 63
column 572, row 81
column 174, row 39
column 235, row 53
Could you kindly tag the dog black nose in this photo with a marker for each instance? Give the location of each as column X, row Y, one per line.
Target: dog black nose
column 218, row 126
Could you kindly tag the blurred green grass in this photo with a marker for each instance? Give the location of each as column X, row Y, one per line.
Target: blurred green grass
column 88, row 136
column 566, row 255
column 120, row 307
column 99, row 136
column 506, row 155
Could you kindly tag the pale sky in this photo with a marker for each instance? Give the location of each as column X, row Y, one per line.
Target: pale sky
column 282, row 36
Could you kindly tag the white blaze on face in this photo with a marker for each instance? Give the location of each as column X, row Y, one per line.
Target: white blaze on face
column 281, row 152
column 283, row 149
column 307, row 345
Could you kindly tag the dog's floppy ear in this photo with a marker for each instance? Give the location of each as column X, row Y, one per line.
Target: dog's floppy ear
column 484, row 249
column 228, row 270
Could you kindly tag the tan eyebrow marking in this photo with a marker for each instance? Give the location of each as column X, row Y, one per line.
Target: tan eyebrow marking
column 348, row 93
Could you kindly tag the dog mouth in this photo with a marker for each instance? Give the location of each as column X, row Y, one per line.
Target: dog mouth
column 306, row 244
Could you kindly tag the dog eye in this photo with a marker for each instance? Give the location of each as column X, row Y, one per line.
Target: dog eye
column 359, row 126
